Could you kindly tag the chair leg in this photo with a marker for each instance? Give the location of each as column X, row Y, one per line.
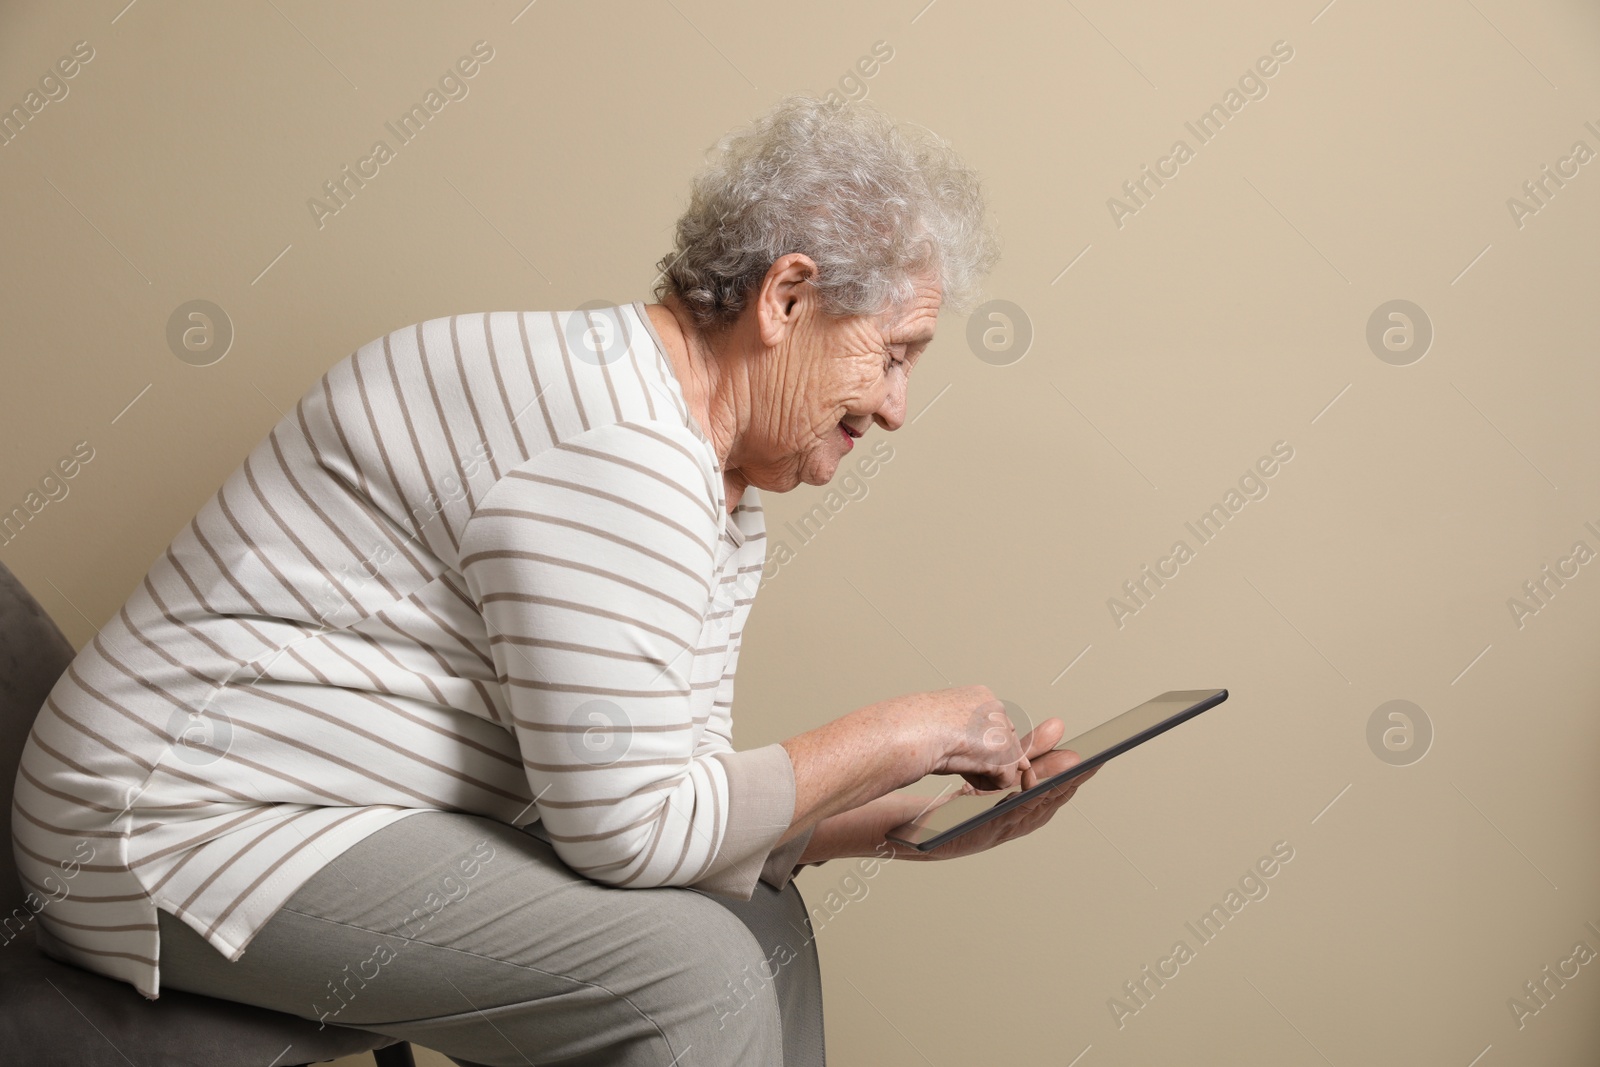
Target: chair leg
column 396, row 1055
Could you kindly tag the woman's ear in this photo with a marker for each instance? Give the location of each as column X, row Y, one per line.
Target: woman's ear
column 783, row 297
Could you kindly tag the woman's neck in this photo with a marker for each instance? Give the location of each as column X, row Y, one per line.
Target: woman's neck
column 703, row 374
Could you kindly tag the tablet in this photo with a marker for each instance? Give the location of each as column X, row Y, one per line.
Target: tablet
column 1111, row 738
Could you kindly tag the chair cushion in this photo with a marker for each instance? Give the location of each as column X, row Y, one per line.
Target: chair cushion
column 33, row 654
column 56, row 1015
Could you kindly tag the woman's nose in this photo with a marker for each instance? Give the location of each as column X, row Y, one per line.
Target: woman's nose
column 891, row 414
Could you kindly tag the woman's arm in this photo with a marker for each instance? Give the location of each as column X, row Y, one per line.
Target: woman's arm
column 591, row 563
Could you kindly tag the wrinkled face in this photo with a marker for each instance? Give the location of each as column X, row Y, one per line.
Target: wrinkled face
column 820, row 390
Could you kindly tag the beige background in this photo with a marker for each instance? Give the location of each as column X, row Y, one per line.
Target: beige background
column 1225, row 316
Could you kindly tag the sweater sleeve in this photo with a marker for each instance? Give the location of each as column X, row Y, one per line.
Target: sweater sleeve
column 784, row 860
column 594, row 564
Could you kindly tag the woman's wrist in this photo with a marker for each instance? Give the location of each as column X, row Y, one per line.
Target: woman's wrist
column 860, row 831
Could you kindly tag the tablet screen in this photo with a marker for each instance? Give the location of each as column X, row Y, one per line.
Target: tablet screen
column 1095, row 746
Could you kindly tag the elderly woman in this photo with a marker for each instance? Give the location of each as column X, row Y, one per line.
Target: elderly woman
column 424, row 723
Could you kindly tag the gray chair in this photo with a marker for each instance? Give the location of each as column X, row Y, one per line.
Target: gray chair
column 56, row 1015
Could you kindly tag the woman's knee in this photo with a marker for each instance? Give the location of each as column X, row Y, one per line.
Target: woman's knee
column 721, row 976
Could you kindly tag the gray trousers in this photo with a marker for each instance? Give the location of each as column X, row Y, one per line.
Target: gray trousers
column 471, row 937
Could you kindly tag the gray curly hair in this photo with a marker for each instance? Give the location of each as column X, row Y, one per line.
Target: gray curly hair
column 873, row 203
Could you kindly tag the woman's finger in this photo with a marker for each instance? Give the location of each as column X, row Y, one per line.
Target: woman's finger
column 1064, row 792
column 1043, row 738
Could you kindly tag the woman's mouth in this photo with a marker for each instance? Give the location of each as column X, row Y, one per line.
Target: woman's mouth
column 849, row 436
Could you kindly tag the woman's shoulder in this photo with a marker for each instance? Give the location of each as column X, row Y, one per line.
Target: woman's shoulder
column 512, row 380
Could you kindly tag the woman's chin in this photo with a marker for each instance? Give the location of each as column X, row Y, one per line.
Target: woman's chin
column 813, row 470
column 821, row 469
column 814, row 466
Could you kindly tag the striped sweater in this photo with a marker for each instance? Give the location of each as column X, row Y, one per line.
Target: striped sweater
column 484, row 565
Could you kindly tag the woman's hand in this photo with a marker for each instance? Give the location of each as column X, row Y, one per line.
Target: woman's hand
column 964, row 730
column 866, row 755
column 1044, row 761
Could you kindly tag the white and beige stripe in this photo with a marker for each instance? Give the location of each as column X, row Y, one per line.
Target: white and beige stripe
column 474, row 566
